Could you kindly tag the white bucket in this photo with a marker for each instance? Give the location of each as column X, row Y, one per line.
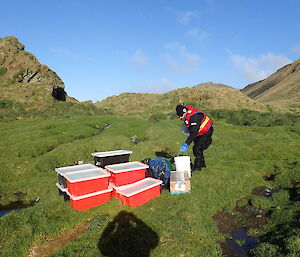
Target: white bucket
column 183, row 163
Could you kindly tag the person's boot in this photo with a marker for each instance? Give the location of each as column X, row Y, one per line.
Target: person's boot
column 195, row 168
column 199, row 163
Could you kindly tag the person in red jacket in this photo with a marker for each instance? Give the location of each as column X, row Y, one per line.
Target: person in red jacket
column 200, row 130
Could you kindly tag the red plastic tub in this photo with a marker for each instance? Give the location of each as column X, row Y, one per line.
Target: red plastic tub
column 140, row 192
column 85, row 202
column 81, row 183
column 127, row 173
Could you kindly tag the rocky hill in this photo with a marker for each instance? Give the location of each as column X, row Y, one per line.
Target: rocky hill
column 206, row 96
column 30, row 89
column 18, row 66
column 281, row 88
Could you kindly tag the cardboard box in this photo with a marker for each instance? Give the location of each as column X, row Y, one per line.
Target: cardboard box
column 179, row 183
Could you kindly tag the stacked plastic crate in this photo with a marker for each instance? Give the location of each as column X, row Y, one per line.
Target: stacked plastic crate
column 130, row 185
column 85, row 185
column 90, row 185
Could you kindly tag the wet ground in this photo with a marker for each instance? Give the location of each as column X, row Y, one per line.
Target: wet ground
column 239, row 245
column 17, row 205
column 264, row 191
column 270, row 177
column 238, row 222
column 246, row 217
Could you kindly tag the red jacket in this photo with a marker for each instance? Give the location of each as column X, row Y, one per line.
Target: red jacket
column 206, row 122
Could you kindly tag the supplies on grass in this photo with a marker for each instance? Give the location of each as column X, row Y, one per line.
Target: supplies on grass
column 88, row 185
column 180, row 182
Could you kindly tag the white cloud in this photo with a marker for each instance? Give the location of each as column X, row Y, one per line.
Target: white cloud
column 180, row 60
column 63, row 51
column 255, row 69
column 197, row 33
column 139, row 60
column 154, row 87
column 184, row 17
column 296, row 49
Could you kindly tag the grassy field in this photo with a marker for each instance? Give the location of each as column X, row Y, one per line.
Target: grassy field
column 170, row 225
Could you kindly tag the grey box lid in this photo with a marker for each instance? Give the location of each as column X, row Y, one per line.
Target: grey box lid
column 111, row 153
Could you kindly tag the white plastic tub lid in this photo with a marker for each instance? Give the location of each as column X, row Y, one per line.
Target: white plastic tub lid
column 61, row 188
column 86, row 175
column 76, row 168
column 126, row 166
column 113, row 186
column 137, row 187
column 88, row 195
column 111, row 153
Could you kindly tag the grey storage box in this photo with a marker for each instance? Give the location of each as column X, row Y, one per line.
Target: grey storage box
column 111, row 157
column 63, row 191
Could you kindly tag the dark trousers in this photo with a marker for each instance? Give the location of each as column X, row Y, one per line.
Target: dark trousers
column 201, row 143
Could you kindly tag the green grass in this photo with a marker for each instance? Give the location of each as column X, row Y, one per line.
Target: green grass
column 238, row 158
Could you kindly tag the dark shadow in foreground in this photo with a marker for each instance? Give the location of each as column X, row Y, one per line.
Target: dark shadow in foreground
column 127, row 236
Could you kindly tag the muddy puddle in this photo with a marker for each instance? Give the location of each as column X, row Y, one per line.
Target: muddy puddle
column 240, row 244
column 264, row 191
column 270, row 177
column 238, row 222
column 17, row 205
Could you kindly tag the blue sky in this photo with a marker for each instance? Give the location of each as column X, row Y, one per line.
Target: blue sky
column 103, row 48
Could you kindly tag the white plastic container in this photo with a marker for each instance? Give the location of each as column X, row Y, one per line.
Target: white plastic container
column 183, row 163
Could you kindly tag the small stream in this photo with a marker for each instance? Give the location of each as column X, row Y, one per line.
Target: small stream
column 18, row 205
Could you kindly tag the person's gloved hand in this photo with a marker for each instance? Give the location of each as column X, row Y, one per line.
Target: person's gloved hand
column 184, row 147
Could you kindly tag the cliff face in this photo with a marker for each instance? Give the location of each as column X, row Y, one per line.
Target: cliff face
column 18, row 65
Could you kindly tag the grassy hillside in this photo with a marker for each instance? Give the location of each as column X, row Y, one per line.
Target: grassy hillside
column 207, row 96
column 281, row 88
column 179, row 225
column 18, row 101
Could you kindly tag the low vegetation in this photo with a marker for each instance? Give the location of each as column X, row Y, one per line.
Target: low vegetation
column 242, row 155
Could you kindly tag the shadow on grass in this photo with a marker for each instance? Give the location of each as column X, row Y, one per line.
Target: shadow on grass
column 127, row 236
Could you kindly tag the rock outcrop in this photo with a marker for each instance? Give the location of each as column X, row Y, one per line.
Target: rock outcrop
column 20, row 66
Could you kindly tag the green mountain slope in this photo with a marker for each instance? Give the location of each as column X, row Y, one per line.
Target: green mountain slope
column 281, row 88
column 207, row 95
